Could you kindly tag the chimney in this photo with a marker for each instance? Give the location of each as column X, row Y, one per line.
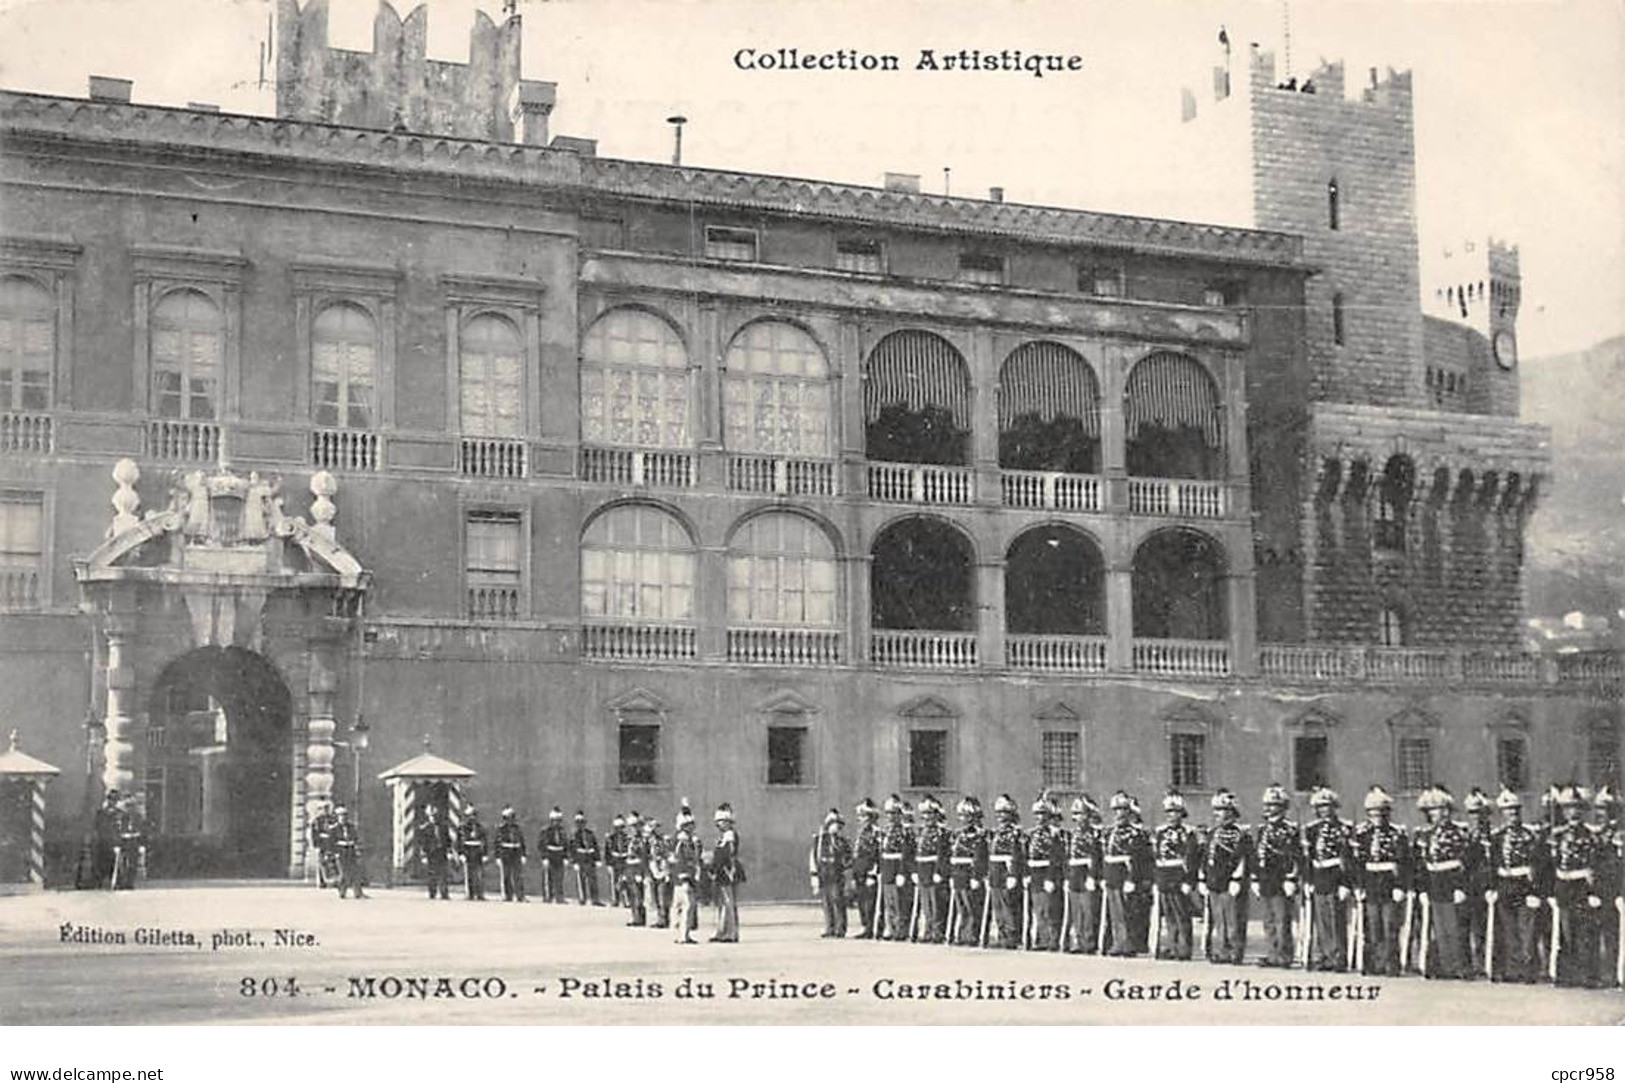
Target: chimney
column 677, row 122
column 529, row 106
column 902, row 182
column 107, row 88
column 996, row 194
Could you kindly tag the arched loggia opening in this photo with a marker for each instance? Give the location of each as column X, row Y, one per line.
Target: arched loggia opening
column 1173, row 419
column 922, row 577
column 1055, row 584
column 1049, row 411
column 218, row 777
column 916, row 401
column 1179, row 588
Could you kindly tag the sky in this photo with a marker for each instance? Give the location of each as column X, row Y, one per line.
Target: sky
column 1520, row 105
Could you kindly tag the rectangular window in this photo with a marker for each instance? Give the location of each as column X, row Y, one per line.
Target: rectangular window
column 981, row 268
column 927, row 759
column 1415, row 768
column 858, row 255
column 1215, row 297
column 1100, row 281
column 1512, row 763
column 725, row 242
column 787, row 755
column 1059, row 762
column 1337, row 318
column 22, row 550
column 639, row 754
column 494, row 564
column 1310, row 762
column 1187, row 755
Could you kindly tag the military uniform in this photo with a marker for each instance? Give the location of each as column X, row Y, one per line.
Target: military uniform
column 1126, row 864
column 930, row 874
column 827, row 865
column 473, row 843
column 510, row 850
column 347, row 848
column 1480, row 861
column 967, row 875
column 321, row 844
column 1382, row 872
column 615, row 860
column 1005, row 852
column 685, row 874
column 657, row 883
column 1043, row 876
column 436, row 842
column 1275, row 872
column 866, row 867
column 896, row 859
column 132, row 843
column 1439, row 876
column 584, row 849
column 1520, row 876
column 728, row 874
column 553, row 847
column 1227, row 854
column 1328, row 883
column 637, row 870
column 1607, row 886
column 1577, row 908
column 105, row 845
column 1176, row 855
column 1082, row 902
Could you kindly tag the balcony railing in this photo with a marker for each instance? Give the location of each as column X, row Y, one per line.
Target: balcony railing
column 1182, row 657
column 1311, row 663
column 183, row 441
column 26, row 434
column 1513, row 667
column 1430, row 665
column 638, row 642
column 625, row 466
column 785, row 646
column 492, row 457
column 782, row 477
column 348, row 450
column 1410, row 664
column 1183, row 498
column 19, row 587
column 909, row 483
column 1059, row 492
column 923, row 650
column 1056, row 654
column 1592, row 666
column 494, row 604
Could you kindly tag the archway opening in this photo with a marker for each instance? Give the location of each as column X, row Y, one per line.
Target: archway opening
column 1179, row 587
column 923, row 578
column 1054, row 584
column 218, row 775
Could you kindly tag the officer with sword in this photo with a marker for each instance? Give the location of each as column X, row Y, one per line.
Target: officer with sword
column 1227, row 856
column 1521, row 873
column 1176, row 853
column 1081, row 927
column 967, row 875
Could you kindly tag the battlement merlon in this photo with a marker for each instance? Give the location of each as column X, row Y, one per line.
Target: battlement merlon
column 1326, row 83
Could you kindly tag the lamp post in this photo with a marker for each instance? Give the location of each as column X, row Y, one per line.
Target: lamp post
column 358, row 745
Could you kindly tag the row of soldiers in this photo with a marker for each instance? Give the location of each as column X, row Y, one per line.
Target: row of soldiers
column 465, row 848
column 664, row 880
column 1514, row 901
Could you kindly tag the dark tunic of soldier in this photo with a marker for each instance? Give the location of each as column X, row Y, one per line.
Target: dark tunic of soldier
column 1083, row 882
column 473, row 843
column 896, row 857
column 1227, row 856
column 510, row 849
column 930, row 879
column 865, row 869
column 967, row 874
column 1005, row 852
column 132, row 843
column 1576, row 851
column 435, row 844
column 1328, row 881
column 827, row 864
column 584, row 851
column 1520, row 877
column 553, row 847
column 1042, row 876
column 347, row 847
column 1277, row 858
column 1176, row 857
column 1126, row 864
column 1381, row 857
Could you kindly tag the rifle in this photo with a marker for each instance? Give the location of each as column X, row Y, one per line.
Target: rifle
column 1427, row 939
column 1156, row 918
column 1551, row 956
column 987, row 907
column 1405, row 931
column 1066, row 919
column 1489, row 938
column 1100, row 936
column 950, row 933
column 914, row 912
column 1306, row 926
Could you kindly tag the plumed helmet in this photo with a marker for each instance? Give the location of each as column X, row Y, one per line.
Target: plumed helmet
column 1223, row 799
column 1004, row 803
column 1041, row 805
column 1121, row 800
column 555, row 813
column 581, row 817
column 1275, row 794
column 867, row 807
column 1507, row 799
column 633, row 819
column 1604, row 798
column 833, row 816
column 1084, row 805
column 1323, row 795
column 1584, row 794
column 969, row 807
column 724, row 814
column 1566, row 795
column 1173, row 801
column 619, row 821
column 508, row 813
column 342, row 811
column 1377, row 798
column 894, row 804
column 1476, row 800
column 685, row 814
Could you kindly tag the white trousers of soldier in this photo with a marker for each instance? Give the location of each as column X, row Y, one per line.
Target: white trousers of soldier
column 1227, row 924
column 967, row 908
column 727, row 893
column 891, row 922
column 685, row 911
column 928, row 926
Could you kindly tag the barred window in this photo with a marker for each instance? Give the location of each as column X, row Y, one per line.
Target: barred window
column 344, row 366
column 27, row 344
column 188, row 344
column 1187, row 760
column 776, row 392
column 637, row 563
column 1512, row 763
column 1415, row 767
column 927, row 759
column 782, row 570
column 634, row 382
column 491, row 367
column 1060, row 761
column 786, row 755
column 726, row 242
column 1310, row 766
column 859, row 255
column 639, row 754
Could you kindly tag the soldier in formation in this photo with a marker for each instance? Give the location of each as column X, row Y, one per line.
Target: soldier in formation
column 1042, row 863
column 895, row 861
column 1327, row 884
column 346, row 842
column 1081, row 902
column 930, row 875
column 321, row 843
column 510, row 850
column 473, row 844
column 1126, row 862
column 553, row 847
column 967, row 875
column 828, row 863
column 1002, row 911
column 436, row 843
column 866, row 867
column 728, row 876
column 584, row 857
column 1176, row 857
column 685, row 865
column 1226, row 858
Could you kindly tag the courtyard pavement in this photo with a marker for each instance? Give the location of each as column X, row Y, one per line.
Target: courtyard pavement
column 211, row 953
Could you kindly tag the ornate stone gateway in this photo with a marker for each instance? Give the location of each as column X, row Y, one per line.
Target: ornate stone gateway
column 224, row 627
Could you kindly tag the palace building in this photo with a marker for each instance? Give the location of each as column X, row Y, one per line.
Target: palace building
column 393, row 419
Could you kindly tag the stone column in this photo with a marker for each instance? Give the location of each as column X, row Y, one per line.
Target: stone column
column 118, row 745
column 1119, row 612
column 322, row 690
column 990, row 615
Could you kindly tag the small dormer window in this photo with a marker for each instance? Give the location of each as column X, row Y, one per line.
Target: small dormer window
column 728, row 242
column 981, row 268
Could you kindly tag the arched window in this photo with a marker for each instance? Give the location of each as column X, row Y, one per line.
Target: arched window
column 776, row 392
column 27, row 344
column 637, row 563
column 1049, row 411
column 1173, row 419
column 1055, row 584
column 344, row 367
column 782, row 570
column 1395, row 491
column 491, row 377
column 1334, row 206
column 916, row 401
column 922, row 576
column 634, row 382
column 1179, row 590
column 188, row 351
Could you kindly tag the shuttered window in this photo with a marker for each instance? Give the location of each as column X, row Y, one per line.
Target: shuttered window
column 776, row 392
column 634, row 382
